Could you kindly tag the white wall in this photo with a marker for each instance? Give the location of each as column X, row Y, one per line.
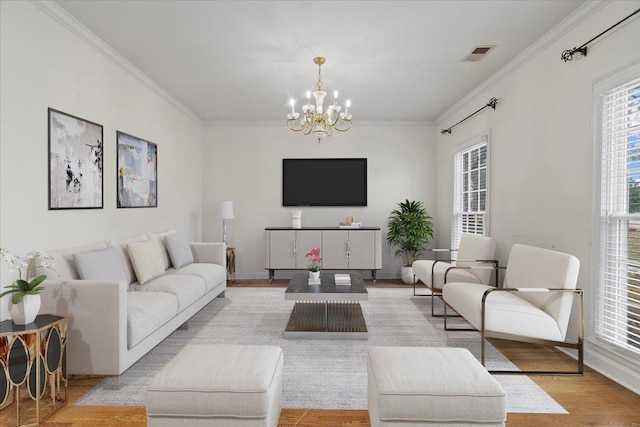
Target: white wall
column 244, row 164
column 43, row 65
column 542, row 147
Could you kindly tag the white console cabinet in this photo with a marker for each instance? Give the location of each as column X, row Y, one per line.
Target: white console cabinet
column 342, row 249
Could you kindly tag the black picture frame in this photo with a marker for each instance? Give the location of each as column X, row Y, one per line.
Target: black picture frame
column 136, row 171
column 75, row 162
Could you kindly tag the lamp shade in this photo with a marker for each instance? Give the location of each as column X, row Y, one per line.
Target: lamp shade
column 225, row 209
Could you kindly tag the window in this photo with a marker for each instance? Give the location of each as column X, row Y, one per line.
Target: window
column 471, row 186
column 617, row 320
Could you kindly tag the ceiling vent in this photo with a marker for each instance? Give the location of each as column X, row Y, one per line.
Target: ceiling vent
column 478, row 53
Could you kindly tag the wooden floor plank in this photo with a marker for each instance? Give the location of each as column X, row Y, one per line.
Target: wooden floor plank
column 592, row 400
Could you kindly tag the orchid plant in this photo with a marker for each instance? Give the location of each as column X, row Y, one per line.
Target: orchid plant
column 314, row 256
column 25, row 265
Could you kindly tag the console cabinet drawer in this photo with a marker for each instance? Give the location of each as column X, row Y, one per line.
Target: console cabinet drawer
column 360, row 249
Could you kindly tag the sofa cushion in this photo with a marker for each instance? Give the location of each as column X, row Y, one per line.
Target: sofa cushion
column 505, row 312
column 179, row 250
column 146, row 258
column 101, row 264
column 159, row 237
column 121, row 248
column 187, row 289
column 422, row 270
column 64, row 263
column 213, row 274
column 146, row 312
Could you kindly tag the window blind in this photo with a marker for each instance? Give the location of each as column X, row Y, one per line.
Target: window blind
column 617, row 318
column 470, row 201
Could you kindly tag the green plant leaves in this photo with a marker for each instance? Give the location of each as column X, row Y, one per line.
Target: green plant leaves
column 410, row 228
column 21, row 287
column 17, row 297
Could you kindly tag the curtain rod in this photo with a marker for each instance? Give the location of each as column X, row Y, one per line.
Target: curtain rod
column 492, row 103
column 567, row 55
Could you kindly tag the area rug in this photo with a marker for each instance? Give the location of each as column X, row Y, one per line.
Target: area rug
column 322, row 374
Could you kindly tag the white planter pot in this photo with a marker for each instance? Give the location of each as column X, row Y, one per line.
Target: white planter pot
column 314, row 275
column 406, row 274
column 26, row 311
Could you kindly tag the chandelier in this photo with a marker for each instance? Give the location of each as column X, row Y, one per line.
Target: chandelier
column 315, row 120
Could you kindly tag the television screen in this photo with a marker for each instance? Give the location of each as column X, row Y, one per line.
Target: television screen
column 324, row 182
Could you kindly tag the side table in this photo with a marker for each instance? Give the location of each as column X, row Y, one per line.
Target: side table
column 33, row 357
column 231, row 264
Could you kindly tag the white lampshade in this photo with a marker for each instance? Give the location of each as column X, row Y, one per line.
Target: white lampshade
column 225, row 209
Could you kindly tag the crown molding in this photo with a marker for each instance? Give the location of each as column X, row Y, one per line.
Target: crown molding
column 64, row 18
column 576, row 18
column 280, row 123
column 243, row 123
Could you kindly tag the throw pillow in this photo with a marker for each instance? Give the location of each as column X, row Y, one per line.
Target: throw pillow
column 179, row 250
column 146, row 258
column 102, row 264
column 159, row 237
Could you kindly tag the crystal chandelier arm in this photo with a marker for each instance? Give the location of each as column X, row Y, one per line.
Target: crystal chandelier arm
column 346, row 123
column 295, row 125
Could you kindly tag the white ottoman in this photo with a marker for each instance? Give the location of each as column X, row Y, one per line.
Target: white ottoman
column 222, row 385
column 422, row 386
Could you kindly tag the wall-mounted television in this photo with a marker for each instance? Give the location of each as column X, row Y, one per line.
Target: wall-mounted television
column 324, row 182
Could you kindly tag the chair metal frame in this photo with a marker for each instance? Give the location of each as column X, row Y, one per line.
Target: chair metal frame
column 578, row 345
column 438, row 292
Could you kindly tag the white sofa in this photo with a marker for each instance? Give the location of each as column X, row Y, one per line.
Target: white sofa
column 113, row 323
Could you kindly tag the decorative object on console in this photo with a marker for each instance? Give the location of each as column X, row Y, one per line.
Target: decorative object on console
column 296, row 219
column 410, row 228
column 75, row 162
column 225, row 211
column 314, row 268
column 137, row 165
column 25, row 293
column 314, row 119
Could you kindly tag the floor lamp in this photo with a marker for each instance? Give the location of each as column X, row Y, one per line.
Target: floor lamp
column 225, row 211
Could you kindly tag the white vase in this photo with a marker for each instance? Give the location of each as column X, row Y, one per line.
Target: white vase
column 296, row 218
column 25, row 312
column 406, row 273
column 314, row 275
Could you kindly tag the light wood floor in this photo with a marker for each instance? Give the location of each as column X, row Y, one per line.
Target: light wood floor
column 591, row 400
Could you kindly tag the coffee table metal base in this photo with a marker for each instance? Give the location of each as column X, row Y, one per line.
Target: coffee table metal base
column 327, row 320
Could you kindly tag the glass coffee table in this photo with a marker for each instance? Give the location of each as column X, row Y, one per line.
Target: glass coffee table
column 327, row 310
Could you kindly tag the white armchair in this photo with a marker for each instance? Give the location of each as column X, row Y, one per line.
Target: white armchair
column 474, row 264
column 534, row 304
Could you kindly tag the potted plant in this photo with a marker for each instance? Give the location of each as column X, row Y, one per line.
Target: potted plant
column 410, row 228
column 314, row 268
column 25, row 294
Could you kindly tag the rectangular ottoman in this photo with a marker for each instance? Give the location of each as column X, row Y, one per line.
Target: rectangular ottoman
column 223, row 385
column 423, row 386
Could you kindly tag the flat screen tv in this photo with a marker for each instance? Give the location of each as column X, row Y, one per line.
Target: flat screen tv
column 324, row 182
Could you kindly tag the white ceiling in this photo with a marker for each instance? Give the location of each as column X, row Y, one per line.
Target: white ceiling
column 242, row 60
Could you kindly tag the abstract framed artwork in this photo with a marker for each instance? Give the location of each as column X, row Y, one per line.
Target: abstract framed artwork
column 137, row 168
column 75, row 162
